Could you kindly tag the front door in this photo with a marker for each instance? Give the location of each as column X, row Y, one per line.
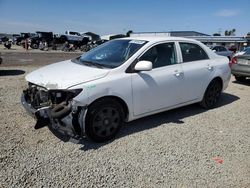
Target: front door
column 161, row 87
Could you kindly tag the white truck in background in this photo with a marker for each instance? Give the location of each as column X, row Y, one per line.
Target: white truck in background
column 73, row 37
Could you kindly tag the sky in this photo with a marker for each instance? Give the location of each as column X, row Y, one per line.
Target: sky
column 119, row 16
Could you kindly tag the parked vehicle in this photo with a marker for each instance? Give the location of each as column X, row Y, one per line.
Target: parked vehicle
column 4, row 39
column 72, row 37
column 24, row 36
column 221, row 50
column 41, row 37
column 21, row 37
column 14, row 38
column 240, row 66
column 91, row 36
column 247, row 49
column 123, row 80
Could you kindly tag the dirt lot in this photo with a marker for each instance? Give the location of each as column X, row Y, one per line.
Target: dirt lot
column 172, row 149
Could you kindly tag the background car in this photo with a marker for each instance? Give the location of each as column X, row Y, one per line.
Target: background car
column 221, row 50
column 14, row 38
column 240, row 66
column 41, row 37
column 4, row 39
column 247, row 49
column 24, row 36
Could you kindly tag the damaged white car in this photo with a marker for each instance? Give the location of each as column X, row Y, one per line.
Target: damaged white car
column 123, row 80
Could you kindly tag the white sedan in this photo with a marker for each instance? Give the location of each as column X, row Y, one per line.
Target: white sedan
column 123, row 80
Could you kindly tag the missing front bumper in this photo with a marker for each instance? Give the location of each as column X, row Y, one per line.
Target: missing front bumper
column 35, row 113
column 71, row 123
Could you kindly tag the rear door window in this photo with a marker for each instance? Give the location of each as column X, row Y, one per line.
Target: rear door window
column 192, row 52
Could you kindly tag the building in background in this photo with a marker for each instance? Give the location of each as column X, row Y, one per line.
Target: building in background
column 235, row 42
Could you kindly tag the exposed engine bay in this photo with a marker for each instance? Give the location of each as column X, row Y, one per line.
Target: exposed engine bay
column 55, row 105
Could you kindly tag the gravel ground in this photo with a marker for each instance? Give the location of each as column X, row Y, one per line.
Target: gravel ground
column 172, row 149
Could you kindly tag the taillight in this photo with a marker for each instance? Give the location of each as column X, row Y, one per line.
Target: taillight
column 233, row 61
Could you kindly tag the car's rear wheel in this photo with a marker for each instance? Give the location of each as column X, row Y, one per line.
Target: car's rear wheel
column 103, row 120
column 240, row 78
column 212, row 94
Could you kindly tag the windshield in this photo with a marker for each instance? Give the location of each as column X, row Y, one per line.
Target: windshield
column 112, row 54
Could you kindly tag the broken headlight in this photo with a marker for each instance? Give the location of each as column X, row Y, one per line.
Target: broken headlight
column 36, row 96
column 40, row 97
column 58, row 96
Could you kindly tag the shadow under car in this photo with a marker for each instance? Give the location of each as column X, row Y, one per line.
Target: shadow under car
column 149, row 122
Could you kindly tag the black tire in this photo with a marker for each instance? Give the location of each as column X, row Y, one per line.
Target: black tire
column 212, row 94
column 103, row 120
column 34, row 46
column 240, row 78
column 63, row 39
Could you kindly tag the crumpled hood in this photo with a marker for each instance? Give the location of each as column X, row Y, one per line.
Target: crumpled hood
column 64, row 74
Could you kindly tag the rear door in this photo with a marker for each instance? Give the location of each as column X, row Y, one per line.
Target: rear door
column 197, row 69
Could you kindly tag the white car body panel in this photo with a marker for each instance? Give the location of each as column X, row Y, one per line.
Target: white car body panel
column 64, row 74
column 156, row 89
column 144, row 93
column 195, row 74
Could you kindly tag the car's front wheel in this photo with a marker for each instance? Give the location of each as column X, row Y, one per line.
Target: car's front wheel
column 212, row 94
column 103, row 120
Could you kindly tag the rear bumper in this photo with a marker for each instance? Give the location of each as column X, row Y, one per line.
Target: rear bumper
column 240, row 70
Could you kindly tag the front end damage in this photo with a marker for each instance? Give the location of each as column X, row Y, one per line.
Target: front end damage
column 56, row 105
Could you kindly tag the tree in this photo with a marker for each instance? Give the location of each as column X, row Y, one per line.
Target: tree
column 226, row 33
column 233, row 32
column 230, row 32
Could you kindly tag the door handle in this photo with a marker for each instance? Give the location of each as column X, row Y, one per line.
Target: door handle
column 209, row 67
column 177, row 73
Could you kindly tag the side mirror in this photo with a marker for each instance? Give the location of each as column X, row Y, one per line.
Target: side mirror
column 214, row 50
column 143, row 66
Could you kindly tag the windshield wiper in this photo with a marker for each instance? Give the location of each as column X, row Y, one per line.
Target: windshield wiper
column 108, row 66
column 90, row 63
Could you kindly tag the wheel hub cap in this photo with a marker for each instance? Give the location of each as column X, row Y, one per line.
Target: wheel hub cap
column 106, row 122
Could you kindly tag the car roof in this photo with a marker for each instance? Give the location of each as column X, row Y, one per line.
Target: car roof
column 159, row 39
